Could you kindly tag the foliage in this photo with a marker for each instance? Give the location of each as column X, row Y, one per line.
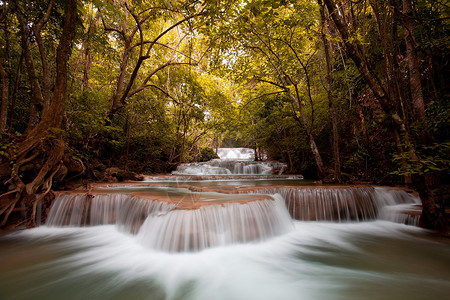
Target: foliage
column 207, row 153
column 235, row 73
column 432, row 159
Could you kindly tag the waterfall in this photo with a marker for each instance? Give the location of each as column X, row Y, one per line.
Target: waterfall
column 215, row 225
column 231, row 238
column 401, row 207
column 228, row 167
column 341, row 204
column 233, row 161
column 126, row 211
column 236, row 153
column 192, row 221
column 171, row 227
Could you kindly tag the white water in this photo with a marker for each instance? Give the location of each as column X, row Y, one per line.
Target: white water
column 232, row 161
column 174, row 219
column 315, row 261
column 215, row 225
column 236, row 153
column 343, row 204
column 126, row 211
column 134, row 244
column 225, row 167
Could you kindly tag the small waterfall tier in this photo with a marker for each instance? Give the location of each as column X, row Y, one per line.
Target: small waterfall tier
column 341, row 204
column 230, row 167
column 216, row 225
column 232, row 161
column 126, row 211
column 184, row 221
column 236, row 153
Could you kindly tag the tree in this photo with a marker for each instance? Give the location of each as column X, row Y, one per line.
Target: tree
column 43, row 144
column 275, row 35
column 328, row 80
column 387, row 93
column 135, row 32
column 4, row 80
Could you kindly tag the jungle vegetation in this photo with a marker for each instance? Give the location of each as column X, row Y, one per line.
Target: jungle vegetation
column 341, row 91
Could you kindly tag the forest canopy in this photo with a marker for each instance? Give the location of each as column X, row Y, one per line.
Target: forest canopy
column 342, row 91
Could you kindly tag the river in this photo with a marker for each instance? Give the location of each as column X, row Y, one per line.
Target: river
column 230, row 237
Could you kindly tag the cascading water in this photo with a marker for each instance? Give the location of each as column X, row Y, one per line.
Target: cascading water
column 342, row 204
column 126, row 211
column 215, row 225
column 162, row 241
column 236, row 153
column 232, row 161
column 177, row 224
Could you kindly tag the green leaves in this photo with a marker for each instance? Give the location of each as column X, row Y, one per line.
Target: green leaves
column 432, row 159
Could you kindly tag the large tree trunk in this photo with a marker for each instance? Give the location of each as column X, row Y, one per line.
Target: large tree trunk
column 43, row 145
column 431, row 215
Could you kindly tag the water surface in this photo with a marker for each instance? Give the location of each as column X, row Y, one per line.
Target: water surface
column 317, row 260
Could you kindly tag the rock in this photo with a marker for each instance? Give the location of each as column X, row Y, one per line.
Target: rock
column 126, row 175
column 108, row 178
column 73, row 184
column 73, row 164
column 112, row 171
column 115, row 174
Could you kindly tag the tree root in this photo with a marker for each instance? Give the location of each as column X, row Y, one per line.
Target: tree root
column 7, row 193
column 26, row 192
column 48, row 184
column 11, row 207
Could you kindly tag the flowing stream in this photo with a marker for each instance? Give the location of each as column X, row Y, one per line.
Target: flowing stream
column 227, row 238
column 232, row 161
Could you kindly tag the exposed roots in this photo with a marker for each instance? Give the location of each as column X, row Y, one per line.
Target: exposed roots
column 48, row 185
column 8, row 209
column 44, row 151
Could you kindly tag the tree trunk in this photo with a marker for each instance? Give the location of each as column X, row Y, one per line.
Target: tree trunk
column 430, row 215
column 116, row 102
column 87, row 67
column 46, row 76
column 4, row 94
column 317, row 157
column 14, row 91
column 37, row 98
column 417, row 98
column 333, row 112
column 43, row 144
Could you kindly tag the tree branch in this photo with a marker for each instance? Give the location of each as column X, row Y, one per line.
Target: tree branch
column 261, row 96
column 107, row 28
column 272, row 83
column 144, row 84
column 169, row 29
